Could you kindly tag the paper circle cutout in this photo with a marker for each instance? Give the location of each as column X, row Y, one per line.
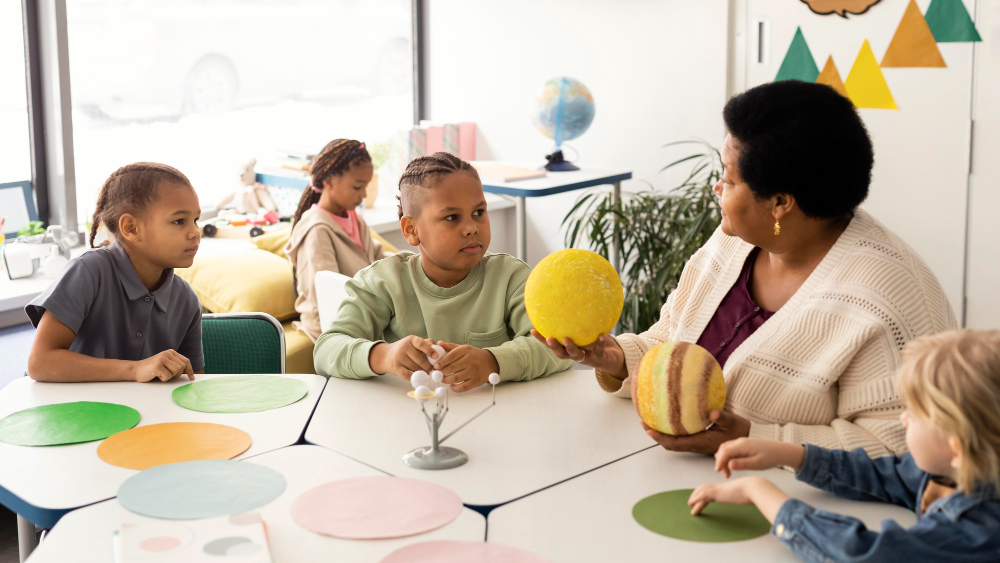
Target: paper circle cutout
column 240, row 393
column 66, row 423
column 668, row 514
column 461, row 552
column 232, row 547
column 369, row 508
column 173, row 442
column 201, row 489
column 159, row 544
column 153, row 540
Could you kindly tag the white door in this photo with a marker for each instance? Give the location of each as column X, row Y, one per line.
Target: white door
column 983, row 286
column 920, row 181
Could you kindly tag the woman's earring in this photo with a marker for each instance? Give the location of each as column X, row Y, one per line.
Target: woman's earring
column 777, row 227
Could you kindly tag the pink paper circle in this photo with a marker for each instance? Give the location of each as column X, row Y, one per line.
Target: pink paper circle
column 159, row 544
column 461, row 552
column 369, row 508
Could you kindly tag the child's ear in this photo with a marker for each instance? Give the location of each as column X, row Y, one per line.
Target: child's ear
column 128, row 226
column 956, row 452
column 409, row 228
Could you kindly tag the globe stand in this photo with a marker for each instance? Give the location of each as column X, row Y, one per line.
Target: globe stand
column 557, row 163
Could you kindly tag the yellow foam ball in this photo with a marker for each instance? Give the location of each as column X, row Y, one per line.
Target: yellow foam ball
column 574, row 294
column 677, row 387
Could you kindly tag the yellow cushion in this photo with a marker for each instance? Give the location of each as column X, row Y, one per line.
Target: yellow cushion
column 298, row 351
column 274, row 241
column 386, row 245
column 247, row 281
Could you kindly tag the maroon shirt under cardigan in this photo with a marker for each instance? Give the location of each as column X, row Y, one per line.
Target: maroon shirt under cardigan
column 737, row 317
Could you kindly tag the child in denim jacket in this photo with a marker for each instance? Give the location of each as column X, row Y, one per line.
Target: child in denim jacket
column 950, row 385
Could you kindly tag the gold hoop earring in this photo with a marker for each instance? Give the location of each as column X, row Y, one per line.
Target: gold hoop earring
column 777, row 227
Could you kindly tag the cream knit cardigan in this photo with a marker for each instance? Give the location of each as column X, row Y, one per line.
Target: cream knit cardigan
column 822, row 369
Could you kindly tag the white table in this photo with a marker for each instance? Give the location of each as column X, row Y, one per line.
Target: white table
column 555, row 183
column 42, row 484
column 539, row 433
column 84, row 536
column 590, row 518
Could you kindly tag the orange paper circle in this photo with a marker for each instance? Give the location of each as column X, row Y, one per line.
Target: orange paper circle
column 173, row 442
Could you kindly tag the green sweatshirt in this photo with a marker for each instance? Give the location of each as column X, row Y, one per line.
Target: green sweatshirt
column 393, row 298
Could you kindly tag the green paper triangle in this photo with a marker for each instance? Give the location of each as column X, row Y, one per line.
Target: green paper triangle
column 798, row 63
column 950, row 22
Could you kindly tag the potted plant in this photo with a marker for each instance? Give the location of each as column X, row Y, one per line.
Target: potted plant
column 659, row 231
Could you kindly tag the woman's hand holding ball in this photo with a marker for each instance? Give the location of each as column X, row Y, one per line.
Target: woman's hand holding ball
column 605, row 354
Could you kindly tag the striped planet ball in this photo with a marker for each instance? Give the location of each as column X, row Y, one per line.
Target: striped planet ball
column 678, row 385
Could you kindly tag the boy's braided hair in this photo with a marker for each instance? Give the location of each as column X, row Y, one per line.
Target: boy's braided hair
column 130, row 189
column 337, row 157
column 420, row 172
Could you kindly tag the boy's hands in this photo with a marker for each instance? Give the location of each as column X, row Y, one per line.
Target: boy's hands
column 751, row 453
column 466, row 367
column 164, row 366
column 402, row 357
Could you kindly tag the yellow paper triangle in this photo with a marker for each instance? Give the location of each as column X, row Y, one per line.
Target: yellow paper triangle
column 831, row 77
column 914, row 44
column 865, row 84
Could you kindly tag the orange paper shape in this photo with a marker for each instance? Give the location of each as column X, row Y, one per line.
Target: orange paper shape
column 865, row 84
column 172, row 442
column 831, row 77
column 914, row 44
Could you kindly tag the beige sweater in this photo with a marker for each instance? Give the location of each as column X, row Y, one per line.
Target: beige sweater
column 822, row 369
column 318, row 243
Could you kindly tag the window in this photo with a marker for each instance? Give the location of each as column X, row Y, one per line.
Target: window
column 15, row 144
column 206, row 85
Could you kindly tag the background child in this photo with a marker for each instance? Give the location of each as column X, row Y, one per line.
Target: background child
column 454, row 292
column 327, row 233
column 119, row 312
column 950, row 384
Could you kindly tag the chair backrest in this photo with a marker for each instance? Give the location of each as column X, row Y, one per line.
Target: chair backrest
column 331, row 291
column 242, row 343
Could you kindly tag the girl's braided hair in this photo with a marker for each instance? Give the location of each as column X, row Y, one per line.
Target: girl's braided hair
column 418, row 175
column 131, row 189
column 337, row 157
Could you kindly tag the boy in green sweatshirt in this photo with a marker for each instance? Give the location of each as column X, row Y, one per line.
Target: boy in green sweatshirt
column 453, row 293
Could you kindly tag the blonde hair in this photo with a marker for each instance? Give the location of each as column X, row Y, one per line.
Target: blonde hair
column 952, row 379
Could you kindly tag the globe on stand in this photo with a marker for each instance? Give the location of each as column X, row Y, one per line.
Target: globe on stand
column 562, row 110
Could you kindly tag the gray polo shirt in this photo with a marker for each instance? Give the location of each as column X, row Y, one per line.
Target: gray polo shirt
column 100, row 297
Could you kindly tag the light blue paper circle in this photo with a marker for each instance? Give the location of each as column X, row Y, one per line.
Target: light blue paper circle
column 200, row 489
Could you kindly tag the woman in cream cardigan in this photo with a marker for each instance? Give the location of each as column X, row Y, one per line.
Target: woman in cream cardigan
column 805, row 299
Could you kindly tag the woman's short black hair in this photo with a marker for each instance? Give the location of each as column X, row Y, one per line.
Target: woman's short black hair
column 805, row 140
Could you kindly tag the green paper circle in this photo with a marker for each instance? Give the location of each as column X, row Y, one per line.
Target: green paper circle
column 241, row 393
column 66, row 423
column 668, row 514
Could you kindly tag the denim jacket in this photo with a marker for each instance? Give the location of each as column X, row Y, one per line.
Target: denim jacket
column 959, row 527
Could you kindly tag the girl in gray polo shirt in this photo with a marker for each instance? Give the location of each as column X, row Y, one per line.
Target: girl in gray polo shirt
column 118, row 312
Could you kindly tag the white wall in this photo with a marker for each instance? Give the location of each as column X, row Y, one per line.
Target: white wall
column 656, row 68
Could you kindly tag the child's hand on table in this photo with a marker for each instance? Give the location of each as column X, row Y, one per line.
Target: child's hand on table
column 164, row 366
column 755, row 454
column 745, row 490
column 402, row 357
column 466, row 367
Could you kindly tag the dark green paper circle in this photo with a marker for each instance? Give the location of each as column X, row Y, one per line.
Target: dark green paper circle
column 66, row 423
column 668, row 514
column 240, row 393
